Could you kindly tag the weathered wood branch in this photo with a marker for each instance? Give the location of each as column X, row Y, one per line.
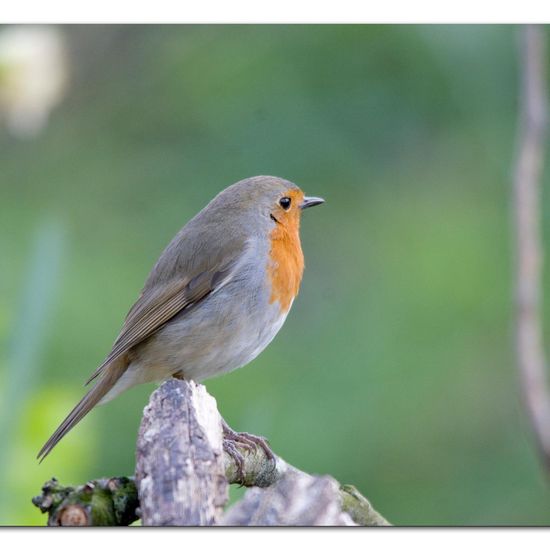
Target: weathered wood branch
column 182, row 475
column 296, row 499
column 112, row 501
column 179, row 468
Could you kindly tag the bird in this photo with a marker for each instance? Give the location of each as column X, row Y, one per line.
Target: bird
column 217, row 296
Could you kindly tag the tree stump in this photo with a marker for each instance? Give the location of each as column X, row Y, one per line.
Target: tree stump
column 180, row 472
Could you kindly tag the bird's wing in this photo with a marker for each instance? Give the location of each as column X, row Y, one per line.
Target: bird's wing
column 160, row 303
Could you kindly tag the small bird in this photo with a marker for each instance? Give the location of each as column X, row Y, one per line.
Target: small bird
column 216, row 297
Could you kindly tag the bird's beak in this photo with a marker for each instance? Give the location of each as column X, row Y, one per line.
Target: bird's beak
column 311, row 201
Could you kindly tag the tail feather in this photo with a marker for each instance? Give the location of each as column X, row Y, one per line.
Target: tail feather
column 107, row 380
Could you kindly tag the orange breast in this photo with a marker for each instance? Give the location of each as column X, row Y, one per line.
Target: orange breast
column 286, row 262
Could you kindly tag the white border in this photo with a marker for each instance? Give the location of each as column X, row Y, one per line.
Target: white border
column 279, row 11
column 231, row 538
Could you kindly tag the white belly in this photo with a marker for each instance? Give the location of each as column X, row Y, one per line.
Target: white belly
column 200, row 345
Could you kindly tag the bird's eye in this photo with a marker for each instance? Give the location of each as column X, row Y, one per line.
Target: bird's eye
column 285, row 203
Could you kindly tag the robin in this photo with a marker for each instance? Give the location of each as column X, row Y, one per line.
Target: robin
column 216, row 297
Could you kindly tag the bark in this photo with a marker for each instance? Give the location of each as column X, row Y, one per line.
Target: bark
column 182, row 475
column 179, row 470
column 297, row 499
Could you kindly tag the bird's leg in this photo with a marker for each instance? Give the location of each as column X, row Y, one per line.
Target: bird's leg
column 230, row 440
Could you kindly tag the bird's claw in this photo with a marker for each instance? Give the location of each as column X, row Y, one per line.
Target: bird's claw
column 232, row 440
column 231, row 449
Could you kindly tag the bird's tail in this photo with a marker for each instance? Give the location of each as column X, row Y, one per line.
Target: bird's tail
column 106, row 381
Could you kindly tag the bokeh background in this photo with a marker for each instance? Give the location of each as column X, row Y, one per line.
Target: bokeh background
column 395, row 370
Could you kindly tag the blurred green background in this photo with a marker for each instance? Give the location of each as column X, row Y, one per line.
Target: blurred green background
column 395, row 369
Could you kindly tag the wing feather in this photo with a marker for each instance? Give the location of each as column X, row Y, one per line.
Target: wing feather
column 157, row 306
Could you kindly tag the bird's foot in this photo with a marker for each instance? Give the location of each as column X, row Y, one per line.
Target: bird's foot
column 232, row 440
